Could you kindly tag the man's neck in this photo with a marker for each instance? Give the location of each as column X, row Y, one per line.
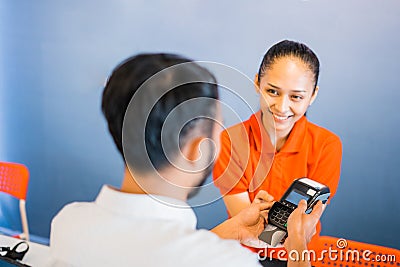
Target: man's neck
column 152, row 186
column 130, row 185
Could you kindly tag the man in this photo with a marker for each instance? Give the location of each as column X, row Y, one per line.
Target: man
column 162, row 112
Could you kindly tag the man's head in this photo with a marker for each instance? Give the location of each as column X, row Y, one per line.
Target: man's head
column 160, row 108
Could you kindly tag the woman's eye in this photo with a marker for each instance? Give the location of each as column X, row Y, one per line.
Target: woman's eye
column 272, row 91
column 297, row 97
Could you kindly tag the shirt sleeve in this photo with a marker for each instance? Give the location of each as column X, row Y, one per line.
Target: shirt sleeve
column 328, row 168
column 229, row 172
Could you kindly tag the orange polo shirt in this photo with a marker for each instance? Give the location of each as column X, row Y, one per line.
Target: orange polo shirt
column 249, row 163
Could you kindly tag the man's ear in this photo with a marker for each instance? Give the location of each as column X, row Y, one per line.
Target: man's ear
column 191, row 150
column 314, row 96
column 256, row 84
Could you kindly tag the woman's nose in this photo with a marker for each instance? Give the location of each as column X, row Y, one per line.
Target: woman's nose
column 282, row 105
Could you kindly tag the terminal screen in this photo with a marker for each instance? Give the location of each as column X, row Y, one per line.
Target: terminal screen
column 295, row 196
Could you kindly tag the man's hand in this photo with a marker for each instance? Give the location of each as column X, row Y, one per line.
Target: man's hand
column 248, row 223
column 251, row 220
column 263, row 197
column 302, row 226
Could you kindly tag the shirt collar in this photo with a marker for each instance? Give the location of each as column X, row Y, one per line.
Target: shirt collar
column 293, row 143
column 143, row 206
column 258, row 132
column 296, row 136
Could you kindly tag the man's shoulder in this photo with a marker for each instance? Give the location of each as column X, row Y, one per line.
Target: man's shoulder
column 74, row 209
column 75, row 217
column 148, row 242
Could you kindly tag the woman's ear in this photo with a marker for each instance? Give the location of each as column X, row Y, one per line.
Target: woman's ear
column 256, row 84
column 314, row 95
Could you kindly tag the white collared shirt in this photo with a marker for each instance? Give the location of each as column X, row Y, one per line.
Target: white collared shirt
column 121, row 229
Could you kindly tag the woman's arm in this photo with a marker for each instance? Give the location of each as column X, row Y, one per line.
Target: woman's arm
column 236, row 203
column 229, row 171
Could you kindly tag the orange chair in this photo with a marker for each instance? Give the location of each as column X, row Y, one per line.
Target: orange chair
column 347, row 253
column 14, row 180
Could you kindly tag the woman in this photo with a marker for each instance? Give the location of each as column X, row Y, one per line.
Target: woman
column 278, row 144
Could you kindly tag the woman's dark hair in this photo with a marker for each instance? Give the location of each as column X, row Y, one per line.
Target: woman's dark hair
column 288, row 48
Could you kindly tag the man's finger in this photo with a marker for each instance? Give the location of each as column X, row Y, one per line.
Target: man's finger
column 317, row 210
column 263, row 196
column 264, row 205
column 264, row 214
column 302, row 206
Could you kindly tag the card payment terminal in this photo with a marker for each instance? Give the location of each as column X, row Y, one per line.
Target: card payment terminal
column 302, row 188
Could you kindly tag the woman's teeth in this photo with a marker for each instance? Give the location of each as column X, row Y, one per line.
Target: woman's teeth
column 281, row 118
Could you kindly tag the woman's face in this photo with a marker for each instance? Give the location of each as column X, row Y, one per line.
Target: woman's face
column 286, row 90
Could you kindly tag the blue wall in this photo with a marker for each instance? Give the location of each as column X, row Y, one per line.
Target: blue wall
column 55, row 56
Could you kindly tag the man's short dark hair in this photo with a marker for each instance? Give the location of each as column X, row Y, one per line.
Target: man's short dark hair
column 134, row 74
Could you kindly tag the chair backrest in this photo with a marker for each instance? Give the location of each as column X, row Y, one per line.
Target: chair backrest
column 14, row 178
column 349, row 253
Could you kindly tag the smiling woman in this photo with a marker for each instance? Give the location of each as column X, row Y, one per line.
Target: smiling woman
column 287, row 85
column 286, row 93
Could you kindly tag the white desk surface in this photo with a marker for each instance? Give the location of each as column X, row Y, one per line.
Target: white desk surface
column 37, row 255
